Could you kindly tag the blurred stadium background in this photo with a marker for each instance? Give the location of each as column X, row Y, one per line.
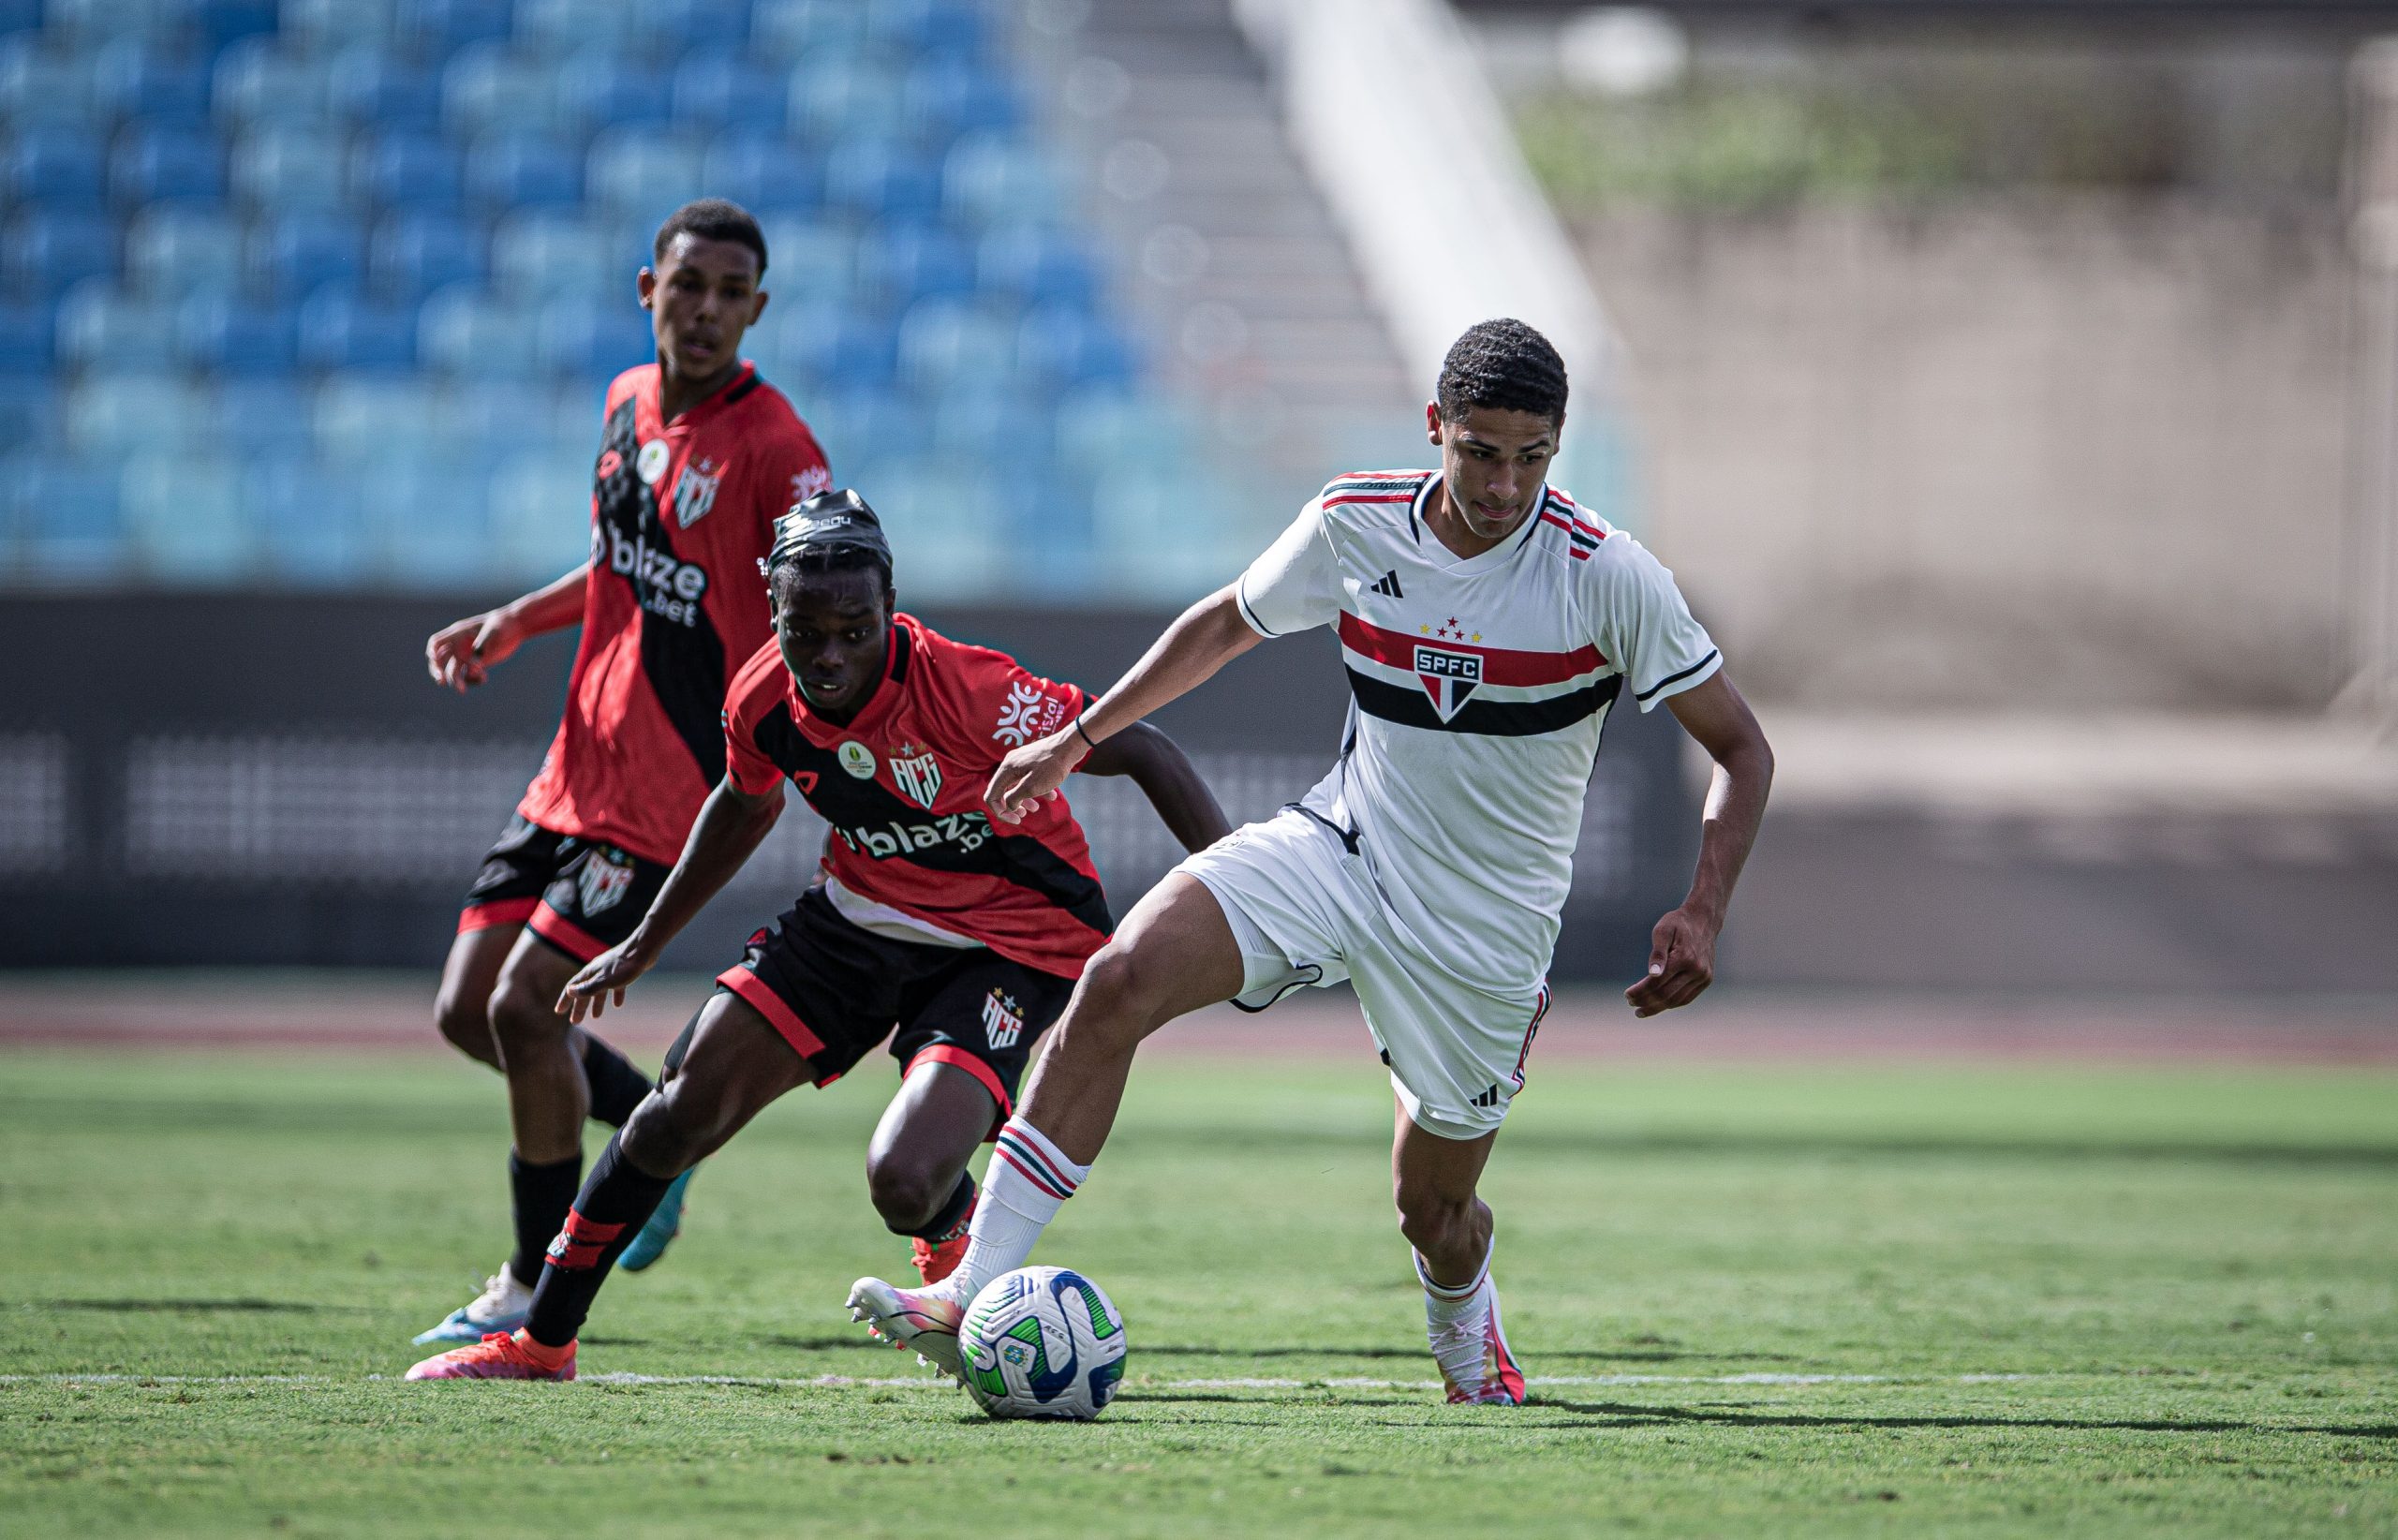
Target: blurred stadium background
column 2012, row 387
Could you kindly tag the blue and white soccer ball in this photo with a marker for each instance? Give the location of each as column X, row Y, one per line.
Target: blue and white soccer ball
column 1042, row 1342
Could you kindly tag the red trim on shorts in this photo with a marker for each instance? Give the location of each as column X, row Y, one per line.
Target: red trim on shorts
column 564, row 934
column 754, row 990
column 950, row 1053
column 499, row 911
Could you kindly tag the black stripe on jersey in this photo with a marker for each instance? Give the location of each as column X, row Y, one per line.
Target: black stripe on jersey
column 848, row 802
column 684, row 663
column 743, row 389
column 1484, row 717
column 1685, row 674
column 903, row 647
column 1573, row 531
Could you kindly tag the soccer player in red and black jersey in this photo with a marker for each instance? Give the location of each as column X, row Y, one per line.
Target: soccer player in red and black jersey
column 956, row 939
column 697, row 458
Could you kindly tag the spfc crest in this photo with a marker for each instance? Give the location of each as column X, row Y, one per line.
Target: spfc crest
column 695, row 492
column 916, row 775
column 605, row 877
column 1448, row 677
column 1003, row 1019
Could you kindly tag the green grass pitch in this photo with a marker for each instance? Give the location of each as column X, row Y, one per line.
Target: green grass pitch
column 1756, row 1300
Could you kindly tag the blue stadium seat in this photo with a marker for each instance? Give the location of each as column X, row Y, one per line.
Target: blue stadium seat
column 427, row 526
column 489, row 86
column 25, row 339
column 596, row 88
column 832, row 344
column 467, row 332
column 175, row 248
column 43, row 251
column 1062, row 346
column 41, row 85
column 864, row 423
column 763, row 172
column 1034, row 264
column 405, row 168
column 100, row 326
column 310, row 530
column 367, row 84
column 839, row 98
column 717, row 87
column 280, row 167
column 541, row 254
column 903, row 263
column 220, row 24
column 260, row 415
column 68, row 524
column 368, row 418
column 257, row 81
column 92, row 22
column 322, row 27
column 985, row 420
column 293, row 255
column 636, row 171
column 110, row 416
column 1104, row 426
column 55, row 165
column 924, row 26
column 341, row 329
column 509, row 169
column 230, row 335
column 595, row 337
column 539, row 524
column 988, row 177
column 879, row 178
column 553, row 28
column 947, row 340
column 947, row 527
column 808, row 262
column 183, row 514
column 420, row 250
column 138, row 77
column 20, row 16
column 945, row 97
column 155, row 162
column 439, row 27
column 783, row 32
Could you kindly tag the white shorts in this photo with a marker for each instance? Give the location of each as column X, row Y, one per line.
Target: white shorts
column 1305, row 911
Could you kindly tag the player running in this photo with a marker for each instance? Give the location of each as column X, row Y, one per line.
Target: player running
column 698, row 457
column 965, row 937
column 1488, row 625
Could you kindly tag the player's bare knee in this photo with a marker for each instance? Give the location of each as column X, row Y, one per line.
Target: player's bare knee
column 906, row 1192
column 1433, row 1221
column 668, row 1133
column 1116, row 1002
column 465, row 1021
column 522, row 1023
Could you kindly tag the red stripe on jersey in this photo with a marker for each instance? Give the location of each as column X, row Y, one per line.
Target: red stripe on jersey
column 1499, row 665
column 504, row 911
column 950, row 1054
column 750, row 987
column 1370, row 497
column 564, row 934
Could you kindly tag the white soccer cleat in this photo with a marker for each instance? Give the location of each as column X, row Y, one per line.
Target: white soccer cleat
column 923, row 1321
column 1476, row 1365
column 501, row 1306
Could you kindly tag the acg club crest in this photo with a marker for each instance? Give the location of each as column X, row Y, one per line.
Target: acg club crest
column 603, row 880
column 1003, row 1019
column 1448, row 677
column 695, row 492
column 916, row 774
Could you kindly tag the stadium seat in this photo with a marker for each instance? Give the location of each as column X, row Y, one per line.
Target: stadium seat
column 540, row 254
column 155, row 162
column 42, row 86
column 945, row 97
column 367, row 418
column 763, row 172
column 92, row 22
column 554, row 27
column 635, row 170
column 509, row 169
column 260, row 415
column 838, row 97
column 948, row 340
column 366, row 84
column 439, row 27
column 110, row 416
column 983, row 421
column 595, row 338
column 489, row 86
column 43, row 251
column 321, row 27
column 20, row 16
column 416, row 251
column 716, row 88
column 467, row 332
column 55, row 165
column 808, row 262
column 100, row 326
column 341, row 329
column 904, row 263
column 220, row 24
column 989, row 176
column 27, row 337
column 945, row 524
column 69, row 529
column 257, row 81
column 405, row 168
column 1034, row 264
column 597, row 89
column 830, row 344
column 1105, row 426
column 1062, row 346
column 293, row 255
column 878, row 178
column 425, row 526
column 539, row 514
column 138, row 77
column 497, row 418
column 280, row 167
column 784, row 32
column 230, row 335
column 183, row 517
column 174, row 249
column 924, row 26
column 309, row 527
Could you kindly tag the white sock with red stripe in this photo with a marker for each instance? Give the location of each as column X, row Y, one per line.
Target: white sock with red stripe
column 1029, row 1180
column 1444, row 1306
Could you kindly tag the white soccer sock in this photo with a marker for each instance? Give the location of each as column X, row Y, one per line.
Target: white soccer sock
column 1029, row 1180
column 1444, row 1306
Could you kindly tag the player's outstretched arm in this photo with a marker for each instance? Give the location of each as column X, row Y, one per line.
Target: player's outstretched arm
column 459, row 655
column 1167, row 778
column 1203, row 638
column 732, row 824
column 1681, row 955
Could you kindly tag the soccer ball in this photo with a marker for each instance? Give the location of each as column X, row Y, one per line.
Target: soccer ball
column 1042, row 1342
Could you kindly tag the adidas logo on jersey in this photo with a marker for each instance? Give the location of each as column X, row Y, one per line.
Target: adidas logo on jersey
column 670, row 588
column 1389, row 584
column 1489, row 1098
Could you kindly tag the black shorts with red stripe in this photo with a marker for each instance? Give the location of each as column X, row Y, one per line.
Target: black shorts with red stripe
column 580, row 897
column 834, row 990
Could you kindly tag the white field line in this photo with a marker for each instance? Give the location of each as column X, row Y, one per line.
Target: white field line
column 844, row 1382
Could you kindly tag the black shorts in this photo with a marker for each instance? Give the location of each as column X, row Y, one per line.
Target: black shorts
column 835, row 990
column 580, row 897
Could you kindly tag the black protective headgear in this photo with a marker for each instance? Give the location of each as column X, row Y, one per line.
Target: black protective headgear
column 838, row 520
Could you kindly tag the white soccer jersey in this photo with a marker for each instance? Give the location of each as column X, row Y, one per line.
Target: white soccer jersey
column 1479, row 687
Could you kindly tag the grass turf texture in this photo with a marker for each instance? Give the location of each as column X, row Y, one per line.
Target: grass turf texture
column 2193, row 1270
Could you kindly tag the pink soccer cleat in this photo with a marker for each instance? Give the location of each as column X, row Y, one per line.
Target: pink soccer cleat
column 502, row 1356
column 1475, row 1364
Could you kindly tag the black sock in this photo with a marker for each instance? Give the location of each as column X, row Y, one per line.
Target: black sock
column 616, row 1087
column 950, row 1222
column 609, row 1211
column 542, row 1194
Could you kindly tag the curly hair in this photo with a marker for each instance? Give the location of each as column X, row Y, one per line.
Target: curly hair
column 712, row 219
column 1503, row 364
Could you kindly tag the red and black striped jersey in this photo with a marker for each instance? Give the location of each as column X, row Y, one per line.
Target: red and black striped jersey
column 902, row 786
column 681, row 514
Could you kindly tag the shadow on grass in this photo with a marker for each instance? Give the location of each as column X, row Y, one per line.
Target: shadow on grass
column 208, row 1307
column 1631, row 1415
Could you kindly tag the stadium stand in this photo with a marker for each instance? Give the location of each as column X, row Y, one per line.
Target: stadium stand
column 256, row 261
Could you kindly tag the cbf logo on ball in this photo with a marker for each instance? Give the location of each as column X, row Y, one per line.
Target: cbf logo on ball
column 1448, row 677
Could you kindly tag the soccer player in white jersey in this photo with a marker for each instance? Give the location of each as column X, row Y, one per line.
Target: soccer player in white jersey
column 1489, row 624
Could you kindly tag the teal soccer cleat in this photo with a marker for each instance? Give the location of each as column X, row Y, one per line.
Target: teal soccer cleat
column 500, row 1306
column 664, row 1226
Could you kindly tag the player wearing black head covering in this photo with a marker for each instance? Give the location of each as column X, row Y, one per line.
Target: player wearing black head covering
column 957, row 940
